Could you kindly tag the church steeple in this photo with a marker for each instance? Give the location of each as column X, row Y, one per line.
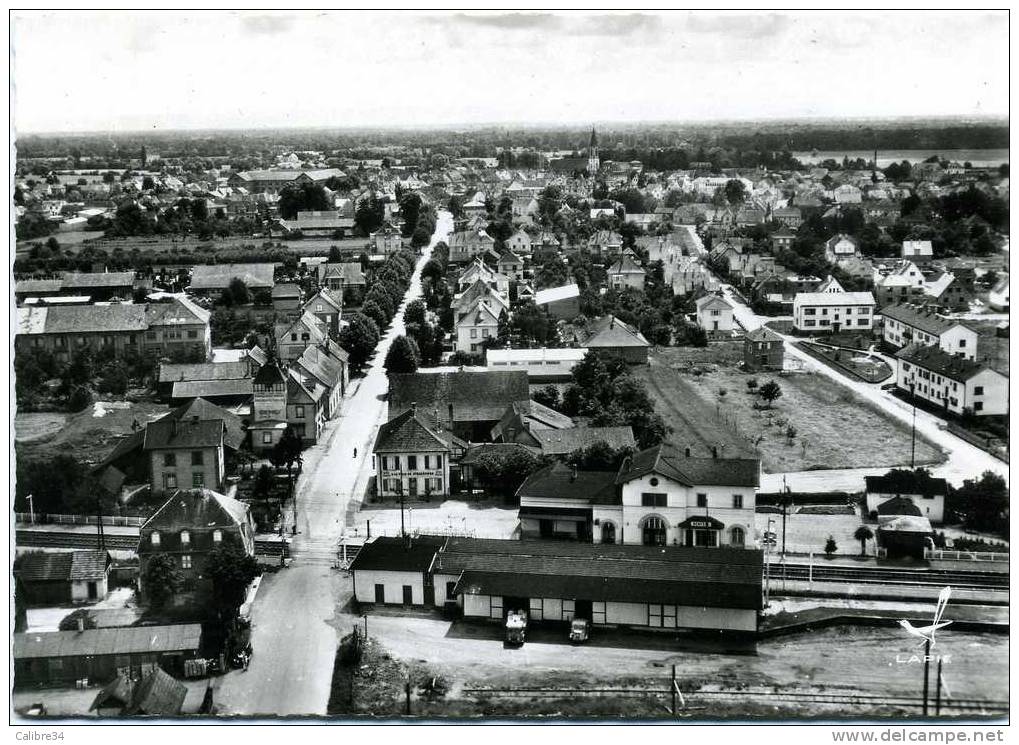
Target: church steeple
column 594, row 138
column 593, row 162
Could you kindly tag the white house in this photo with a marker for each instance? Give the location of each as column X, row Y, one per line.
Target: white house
column 519, row 243
column 542, row 365
column 479, row 323
column 906, row 324
column 714, row 314
column 955, row 383
column 833, row 311
column 998, row 297
column 917, row 251
column 841, row 247
column 925, row 493
column 412, row 456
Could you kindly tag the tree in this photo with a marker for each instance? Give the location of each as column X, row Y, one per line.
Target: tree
column 231, row 571
column 830, row 547
column 403, row 356
column 296, row 198
column 752, row 384
column 238, row 292
column 369, row 214
column 161, row 580
column 983, row 502
column 374, row 310
column 288, row 449
column 360, row 338
column 414, row 312
column 770, row 392
column 599, row 456
column 547, row 396
column 862, row 534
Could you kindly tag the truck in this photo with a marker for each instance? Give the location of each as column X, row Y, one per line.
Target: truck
column 516, row 627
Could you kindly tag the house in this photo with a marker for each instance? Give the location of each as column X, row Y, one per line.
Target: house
column 715, row 315
column 902, row 536
column 613, row 337
column 790, row 217
column 175, row 372
column 909, row 324
column 519, row 244
column 189, row 525
column 327, row 363
column 949, row 291
column 97, row 286
column 61, row 658
column 521, row 417
column 605, row 242
column 306, row 405
column 925, row 493
column 286, row 296
column 185, row 453
column 478, row 271
column 233, row 394
column 782, row 239
column 211, row 279
column 955, row 383
column 833, row 311
column 542, row 365
column 412, row 456
column 903, row 284
column 294, row 337
column 268, row 407
column 465, row 245
column 626, row 273
column 544, row 247
column 556, row 502
column 847, row 194
column 333, row 223
column 396, row 570
column 156, row 694
column 474, row 327
column 469, row 403
column 763, row 349
column 61, row 578
column 386, row 240
column 840, row 248
column 919, row 252
column 327, row 307
column 998, row 296
column 617, row 586
column 560, row 302
column 338, row 276
column 511, row 265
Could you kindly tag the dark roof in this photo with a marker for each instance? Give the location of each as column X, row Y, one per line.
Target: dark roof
column 156, row 694
column 718, row 577
column 183, row 433
column 411, row 432
column 197, row 508
column 609, row 331
column 173, row 372
column 563, row 482
column 270, row 374
column 671, row 462
column 906, row 482
column 565, row 441
column 398, row 554
column 219, row 276
column 63, row 567
column 209, row 388
column 940, row 362
column 109, row 641
column 475, row 396
column 925, row 320
column 899, row 506
column 763, row 334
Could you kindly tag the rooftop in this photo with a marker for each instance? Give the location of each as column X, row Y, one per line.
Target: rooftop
column 673, row 463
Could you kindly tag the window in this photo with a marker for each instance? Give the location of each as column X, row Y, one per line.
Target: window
column 653, row 533
column 438, row 461
column 412, row 463
column 702, row 500
column 978, row 391
column 433, row 485
column 716, row 312
column 217, row 536
column 197, row 458
column 737, row 501
column 651, row 499
column 150, row 335
column 485, row 333
column 185, row 561
column 267, row 438
column 962, row 343
column 169, row 460
column 809, row 323
column 737, row 536
column 185, row 538
column 197, row 480
column 810, row 311
column 154, row 538
column 978, row 406
column 474, row 333
column 169, row 481
column 192, row 334
column 299, row 412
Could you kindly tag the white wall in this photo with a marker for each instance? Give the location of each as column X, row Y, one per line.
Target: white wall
column 994, row 396
column 365, row 581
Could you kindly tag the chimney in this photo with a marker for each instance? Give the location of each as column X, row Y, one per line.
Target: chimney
column 81, row 624
column 413, row 408
column 687, row 451
column 714, row 451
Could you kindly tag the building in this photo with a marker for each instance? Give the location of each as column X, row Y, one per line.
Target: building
column 949, row 291
column 557, row 502
column 833, row 311
column 605, row 243
column 273, row 181
column 955, row 383
column 62, row 658
column 511, row 265
column 188, row 527
column 906, row 324
column 396, row 571
column 480, row 271
column 518, row 244
column 925, row 493
column 560, row 302
column 473, row 328
column 542, row 365
column 156, row 694
column 177, row 327
column 332, row 223
column 613, row 337
column 903, row 284
column 917, row 251
column 185, row 453
column 840, row 248
column 563, row 441
column 60, row 578
column 903, row 536
column 178, row 372
column 209, row 279
column 337, row 277
column 97, row 286
column 293, row 337
column 626, row 274
column 327, row 307
column 998, row 296
column 782, row 239
column 465, row 245
column 286, row 297
column 268, row 408
column 469, row 403
column 715, row 315
column 412, row 457
column 763, row 349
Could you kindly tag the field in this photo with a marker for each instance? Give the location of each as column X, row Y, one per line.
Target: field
column 867, row 367
column 224, row 247
column 834, row 427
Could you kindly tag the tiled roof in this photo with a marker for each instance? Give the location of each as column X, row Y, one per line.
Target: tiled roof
column 671, row 462
column 109, row 641
column 171, row 433
column 156, row 694
column 324, row 296
column 81, row 319
column 834, row 298
column 927, row 321
column 609, row 331
column 218, row 276
column 211, row 388
column 173, row 372
column 179, row 310
column 625, row 265
column 349, row 271
column 396, row 553
column 475, row 396
column 565, row 441
column 197, row 508
column 763, row 334
column 410, row 432
column 940, row 362
column 93, row 280
column 89, row 565
column 563, row 482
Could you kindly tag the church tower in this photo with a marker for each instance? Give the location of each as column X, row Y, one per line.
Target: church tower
column 593, row 163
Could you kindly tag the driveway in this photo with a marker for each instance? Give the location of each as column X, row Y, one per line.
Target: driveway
column 293, row 636
column 964, row 460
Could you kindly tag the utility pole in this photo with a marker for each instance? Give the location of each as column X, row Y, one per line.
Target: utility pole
column 937, row 692
column 926, row 672
column 912, row 457
column 673, row 690
column 102, row 534
column 406, row 687
column 31, row 509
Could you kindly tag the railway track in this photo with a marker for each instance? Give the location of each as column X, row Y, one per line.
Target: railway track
column 114, row 542
column 960, row 578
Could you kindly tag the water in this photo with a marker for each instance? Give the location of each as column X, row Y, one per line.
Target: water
column 979, row 158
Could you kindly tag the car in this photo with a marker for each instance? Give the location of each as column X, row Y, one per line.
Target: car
column 580, row 630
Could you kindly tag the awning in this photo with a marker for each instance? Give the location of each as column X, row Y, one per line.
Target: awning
column 576, row 514
column 702, row 522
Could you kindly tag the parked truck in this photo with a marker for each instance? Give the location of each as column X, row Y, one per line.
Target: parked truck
column 516, row 627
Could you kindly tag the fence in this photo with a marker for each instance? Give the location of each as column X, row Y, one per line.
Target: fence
column 112, row 520
column 989, row 445
column 945, row 555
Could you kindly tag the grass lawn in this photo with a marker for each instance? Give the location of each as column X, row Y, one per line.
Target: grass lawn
column 867, row 367
column 835, row 428
column 806, row 533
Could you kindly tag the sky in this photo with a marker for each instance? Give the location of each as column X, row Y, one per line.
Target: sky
column 168, row 70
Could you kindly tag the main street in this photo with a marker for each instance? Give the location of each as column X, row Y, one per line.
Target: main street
column 964, row 460
column 293, row 631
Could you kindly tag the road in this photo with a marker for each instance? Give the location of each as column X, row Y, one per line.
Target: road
column 293, row 623
column 964, row 460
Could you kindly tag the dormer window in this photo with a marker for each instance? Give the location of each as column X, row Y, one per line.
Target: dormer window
column 185, row 538
column 154, row 538
column 217, row 536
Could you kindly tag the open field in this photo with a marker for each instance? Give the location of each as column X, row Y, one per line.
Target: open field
column 224, row 247
column 834, row 427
